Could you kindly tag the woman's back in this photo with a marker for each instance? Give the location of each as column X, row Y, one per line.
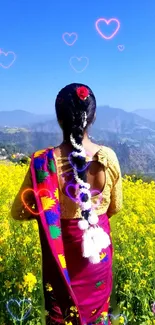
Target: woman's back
column 103, row 175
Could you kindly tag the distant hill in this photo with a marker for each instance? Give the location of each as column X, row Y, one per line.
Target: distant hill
column 130, row 135
column 113, row 120
column 146, row 113
column 20, row 118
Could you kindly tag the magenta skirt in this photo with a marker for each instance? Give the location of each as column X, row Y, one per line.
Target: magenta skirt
column 91, row 283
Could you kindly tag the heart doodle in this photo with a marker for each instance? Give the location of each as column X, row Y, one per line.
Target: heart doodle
column 121, row 47
column 36, row 194
column 82, row 169
column 9, row 306
column 79, row 60
column 70, row 36
column 76, row 200
column 6, row 54
column 107, row 22
column 117, row 316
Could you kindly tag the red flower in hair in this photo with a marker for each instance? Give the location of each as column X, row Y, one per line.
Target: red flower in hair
column 82, row 92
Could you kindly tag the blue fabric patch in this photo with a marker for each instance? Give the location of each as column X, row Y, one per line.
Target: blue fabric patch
column 38, row 162
column 66, row 275
column 58, row 208
column 105, row 259
column 51, row 217
column 50, row 154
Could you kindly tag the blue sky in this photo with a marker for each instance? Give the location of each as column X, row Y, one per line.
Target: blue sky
column 33, row 31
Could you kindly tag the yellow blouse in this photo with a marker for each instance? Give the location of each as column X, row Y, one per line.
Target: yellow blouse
column 110, row 199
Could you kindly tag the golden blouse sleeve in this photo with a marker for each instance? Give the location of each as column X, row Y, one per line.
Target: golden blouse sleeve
column 116, row 199
column 18, row 210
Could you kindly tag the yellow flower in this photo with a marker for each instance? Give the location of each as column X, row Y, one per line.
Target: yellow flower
column 121, row 320
column 126, row 287
column 1, row 259
column 7, row 284
column 104, row 314
column 48, row 287
column 68, row 323
column 29, row 281
column 143, row 282
column 35, row 226
column 73, row 308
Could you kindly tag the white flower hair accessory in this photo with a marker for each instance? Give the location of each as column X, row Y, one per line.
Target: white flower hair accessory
column 94, row 238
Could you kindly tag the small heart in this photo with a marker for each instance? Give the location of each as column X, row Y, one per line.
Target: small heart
column 103, row 20
column 70, row 36
column 74, row 60
column 70, row 178
column 36, row 194
column 76, row 200
column 73, row 186
column 117, row 316
column 82, row 169
column 121, row 47
column 10, row 303
column 6, row 54
column 99, row 199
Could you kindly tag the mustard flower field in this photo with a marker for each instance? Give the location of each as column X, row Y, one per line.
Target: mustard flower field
column 133, row 234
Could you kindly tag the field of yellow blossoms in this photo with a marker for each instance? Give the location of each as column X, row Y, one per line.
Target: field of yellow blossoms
column 133, row 234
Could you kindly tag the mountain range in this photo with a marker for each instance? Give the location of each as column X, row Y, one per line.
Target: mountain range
column 129, row 134
column 146, row 113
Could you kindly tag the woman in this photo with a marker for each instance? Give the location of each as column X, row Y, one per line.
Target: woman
column 75, row 188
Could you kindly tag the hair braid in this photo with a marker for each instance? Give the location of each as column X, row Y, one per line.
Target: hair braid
column 81, row 104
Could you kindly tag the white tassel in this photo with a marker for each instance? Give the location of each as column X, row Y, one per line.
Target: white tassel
column 83, row 224
column 93, row 218
column 97, row 239
column 87, row 245
column 85, row 205
column 101, row 239
column 95, row 259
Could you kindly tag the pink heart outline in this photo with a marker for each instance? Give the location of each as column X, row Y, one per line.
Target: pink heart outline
column 121, row 48
column 107, row 22
column 79, row 59
column 76, row 200
column 70, row 34
column 6, row 54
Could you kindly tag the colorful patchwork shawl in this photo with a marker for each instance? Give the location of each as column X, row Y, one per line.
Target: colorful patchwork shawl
column 55, row 273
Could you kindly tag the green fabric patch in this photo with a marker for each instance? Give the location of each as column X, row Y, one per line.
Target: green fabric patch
column 98, row 284
column 51, row 166
column 55, row 231
column 99, row 319
column 41, row 175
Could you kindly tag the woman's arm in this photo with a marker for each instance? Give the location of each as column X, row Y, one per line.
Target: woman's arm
column 116, row 202
column 18, row 210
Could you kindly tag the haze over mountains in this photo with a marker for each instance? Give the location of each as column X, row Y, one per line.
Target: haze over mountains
column 129, row 134
column 146, row 113
column 20, row 118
